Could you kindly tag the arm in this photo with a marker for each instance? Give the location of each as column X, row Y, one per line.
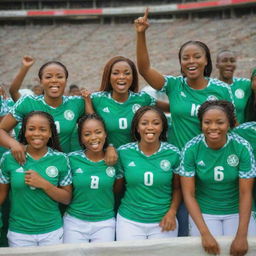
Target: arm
column 239, row 245
column 164, row 106
column 111, row 155
column 27, row 62
column 209, row 243
column 153, row 77
column 119, row 186
column 17, row 149
column 4, row 189
column 60, row 194
column 169, row 220
column 88, row 102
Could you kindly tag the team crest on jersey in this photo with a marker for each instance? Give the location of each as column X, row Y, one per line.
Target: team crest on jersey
column 135, row 107
column 110, row 171
column 233, row 160
column 165, row 165
column 69, row 115
column 239, row 93
column 212, row 97
column 52, row 171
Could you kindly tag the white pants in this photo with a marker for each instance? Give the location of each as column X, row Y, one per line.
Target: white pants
column 131, row 230
column 80, row 231
column 23, row 240
column 222, row 225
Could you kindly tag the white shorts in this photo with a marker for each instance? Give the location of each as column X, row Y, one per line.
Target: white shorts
column 80, row 231
column 131, row 230
column 23, row 240
column 222, row 225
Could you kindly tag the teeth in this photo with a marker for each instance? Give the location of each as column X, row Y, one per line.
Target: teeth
column 95, row 145
column 192, row 68
column 150, row 135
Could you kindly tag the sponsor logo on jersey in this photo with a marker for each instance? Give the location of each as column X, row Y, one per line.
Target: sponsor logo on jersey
column 69, row 115
column 165, row 165
column 21, row 170
column 183, row 94
column 239, row 93
column 201, row 163
column 135, row 107
column 79, row 170
column 110, row 171
column 233, row 160
column 106, row 110
column 52, row 171
column 212, row 97
column 132, row 164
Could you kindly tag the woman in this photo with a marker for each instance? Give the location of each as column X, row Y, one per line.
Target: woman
column 37, row 186
column 118, row 99
column 217, row 178
column 240, row 87
column 149, row 167
column 90, row 216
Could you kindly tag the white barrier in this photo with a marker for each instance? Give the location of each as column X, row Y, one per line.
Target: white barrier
column 180, row 246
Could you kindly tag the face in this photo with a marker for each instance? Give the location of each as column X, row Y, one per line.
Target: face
column 93, row 135
column 121, row 77
column 37, row 132
column 38, row 90
column 150, row 127
column 193, row 61
column 75, row 92
column 215, row 125
column 53, row 80
column 226, row 63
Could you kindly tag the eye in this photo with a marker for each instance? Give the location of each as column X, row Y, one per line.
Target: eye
column 127, row 73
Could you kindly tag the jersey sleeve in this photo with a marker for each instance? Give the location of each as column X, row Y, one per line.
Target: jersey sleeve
column 4, row 109
column 150, row 101
column 119, row 166
column 65, row 178
column 81, row 105
column 170, row 82
column 177, row 164
column 19, row 109
column 4, row 173
column 187, row 167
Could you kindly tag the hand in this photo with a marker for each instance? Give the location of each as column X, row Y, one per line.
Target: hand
column 141, row 24
column 210, row 245
column 27, row 61
column 18, row 152
column 85, row 94
column 169, row 221
column 110, row 156
column 34, row 179
column 239, row 246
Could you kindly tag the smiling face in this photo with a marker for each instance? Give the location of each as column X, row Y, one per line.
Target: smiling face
column 37, row 132
column 93, row 135
column 121, row 77
column 215, row 125
column 54, row 81
column 193, row 61
column 150, row 127
column 226, row 63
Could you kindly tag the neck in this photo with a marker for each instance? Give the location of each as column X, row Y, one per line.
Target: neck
column 36, row 153
column 226, row 80
column 120, row 97
column 149, row 148
column 216, row 146
column 95, row 156
column 53, row 102
column 199, row 83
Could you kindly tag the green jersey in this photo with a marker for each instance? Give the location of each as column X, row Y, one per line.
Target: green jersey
column 184, row 104
column 241, row 90
column 93, row 196
column 32, row 210
column 217, row 172
column 65, row 116
column 118, row 116
column 148, row 194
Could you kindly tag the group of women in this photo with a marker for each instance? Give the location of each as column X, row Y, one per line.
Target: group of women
column 205, row 158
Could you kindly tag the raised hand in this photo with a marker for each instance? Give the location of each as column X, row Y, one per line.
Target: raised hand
column 28, row 61
column 141, row 24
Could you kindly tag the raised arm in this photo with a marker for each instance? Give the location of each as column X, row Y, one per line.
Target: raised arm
column 27, row 62
column 88, row 102
column 153, row 77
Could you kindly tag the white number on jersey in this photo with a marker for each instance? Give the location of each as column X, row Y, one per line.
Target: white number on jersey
column 123, row 123
column 218, row 173
column 57, row 124
column 94, row 182
column 194, row 109
column 148, row 178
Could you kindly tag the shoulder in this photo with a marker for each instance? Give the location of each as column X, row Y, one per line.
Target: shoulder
column 128, row 146
column 246, row 126
column 218, row 83
column 193, row 142
column 67, row 99
column 241, row 80
column 167, row 146
column 238, row 140
column 99, row 94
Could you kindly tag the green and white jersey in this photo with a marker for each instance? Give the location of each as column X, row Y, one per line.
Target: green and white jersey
column 217, row 172
column 118, row 116
column 184, row 104
column 241, row 90
column 65, row 116
column 32, row 210
column 93, row 196
column 148, row 194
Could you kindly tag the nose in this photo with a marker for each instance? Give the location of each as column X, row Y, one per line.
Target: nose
column 213, row 126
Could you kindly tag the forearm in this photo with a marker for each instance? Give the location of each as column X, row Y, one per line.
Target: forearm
column 6, row 140
column 88, row 106
column 176, row 200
